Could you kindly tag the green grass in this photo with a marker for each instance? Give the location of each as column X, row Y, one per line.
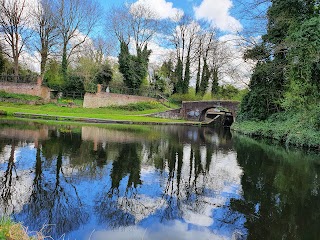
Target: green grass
column 66, row 101
column 110, row 113
column 24, row 97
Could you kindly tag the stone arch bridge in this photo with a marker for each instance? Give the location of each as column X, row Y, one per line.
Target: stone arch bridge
column 196, row 110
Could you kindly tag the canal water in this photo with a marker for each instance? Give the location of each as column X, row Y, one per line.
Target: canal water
column 155, row 182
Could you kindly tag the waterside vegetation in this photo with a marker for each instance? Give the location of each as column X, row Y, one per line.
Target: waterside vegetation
column 10, row 230
column 291, row 128
column 283, row 98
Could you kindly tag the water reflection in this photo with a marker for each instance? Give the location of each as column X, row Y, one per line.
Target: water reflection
column 280, row 191
column 160, row 182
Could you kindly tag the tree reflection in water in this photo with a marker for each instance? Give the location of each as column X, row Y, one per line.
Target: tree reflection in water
column 88, row 178
column 54, row 200
column 8, row 182
column 281, row 198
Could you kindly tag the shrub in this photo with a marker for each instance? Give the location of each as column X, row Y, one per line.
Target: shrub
column 179, row 97
column 141, row 106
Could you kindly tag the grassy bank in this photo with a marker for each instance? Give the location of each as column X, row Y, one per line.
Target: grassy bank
column 10, row 230
column 130, row 112
column 292, row 128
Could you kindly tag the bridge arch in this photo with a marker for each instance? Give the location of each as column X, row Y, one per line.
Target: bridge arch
column 204, row 112
column 196, row 110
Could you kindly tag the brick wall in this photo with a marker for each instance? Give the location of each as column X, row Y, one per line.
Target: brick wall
column 27, row 88
column 106, row 99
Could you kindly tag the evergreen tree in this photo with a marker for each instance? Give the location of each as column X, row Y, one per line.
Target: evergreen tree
column 104, row 76
column 53, row 77
column 167, row 69
column 206, row 74
column 141, row 66
column 178, row 87
column 198, row 77
column 133, row 68
column 125, row 65
column 187, row 77
column 2, row 61
column 215, row 83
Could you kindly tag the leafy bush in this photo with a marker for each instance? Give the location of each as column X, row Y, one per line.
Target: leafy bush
column 104, row 76
column 53, row 77
column 74, row 84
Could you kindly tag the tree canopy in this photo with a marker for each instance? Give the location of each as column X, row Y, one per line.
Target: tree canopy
column 286, row 75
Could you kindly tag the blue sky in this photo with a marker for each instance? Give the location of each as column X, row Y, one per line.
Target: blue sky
column 232, row 19
column 223, row 14
column 220, row 13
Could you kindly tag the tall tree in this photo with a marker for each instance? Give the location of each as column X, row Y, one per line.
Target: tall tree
column 144, row 25
column 133, row 68
column 215, row 82
column 46, row 26
column 138, row 23
column 184, row 39
column 206, row 44
column 2, row 60
column 15, row 26
column 135, row 23
column 76, row 20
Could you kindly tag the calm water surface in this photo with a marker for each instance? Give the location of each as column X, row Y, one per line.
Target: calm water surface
column 157, row 182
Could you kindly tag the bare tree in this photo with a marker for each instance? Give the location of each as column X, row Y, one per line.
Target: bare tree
column 254, row 13
column 46, row 29
column 76, row 20
column 102, row 49
column 15, row 27
column 206, row 44
column 144, row 25
column 134, row 22
column 97, row 50
column 184, row 39
column 118, row 24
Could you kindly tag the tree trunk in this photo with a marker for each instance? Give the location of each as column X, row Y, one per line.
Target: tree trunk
column 64, row 63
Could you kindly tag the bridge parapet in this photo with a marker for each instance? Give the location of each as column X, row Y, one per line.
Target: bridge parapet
column 196, row 110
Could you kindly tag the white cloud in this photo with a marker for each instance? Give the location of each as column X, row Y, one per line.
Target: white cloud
column 159, row 53
column 161, row 8
column 174, row 230
column 217, row 13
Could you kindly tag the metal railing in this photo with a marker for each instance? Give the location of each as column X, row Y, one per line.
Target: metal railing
column 31, row 78
column 73, row 95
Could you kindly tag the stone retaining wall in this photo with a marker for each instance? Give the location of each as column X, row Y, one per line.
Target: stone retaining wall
column 107, row 99
column 171, row 114
column 27, row 88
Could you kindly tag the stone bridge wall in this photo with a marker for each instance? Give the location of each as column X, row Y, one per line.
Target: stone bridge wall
column 34, row 89
column 195, row 111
